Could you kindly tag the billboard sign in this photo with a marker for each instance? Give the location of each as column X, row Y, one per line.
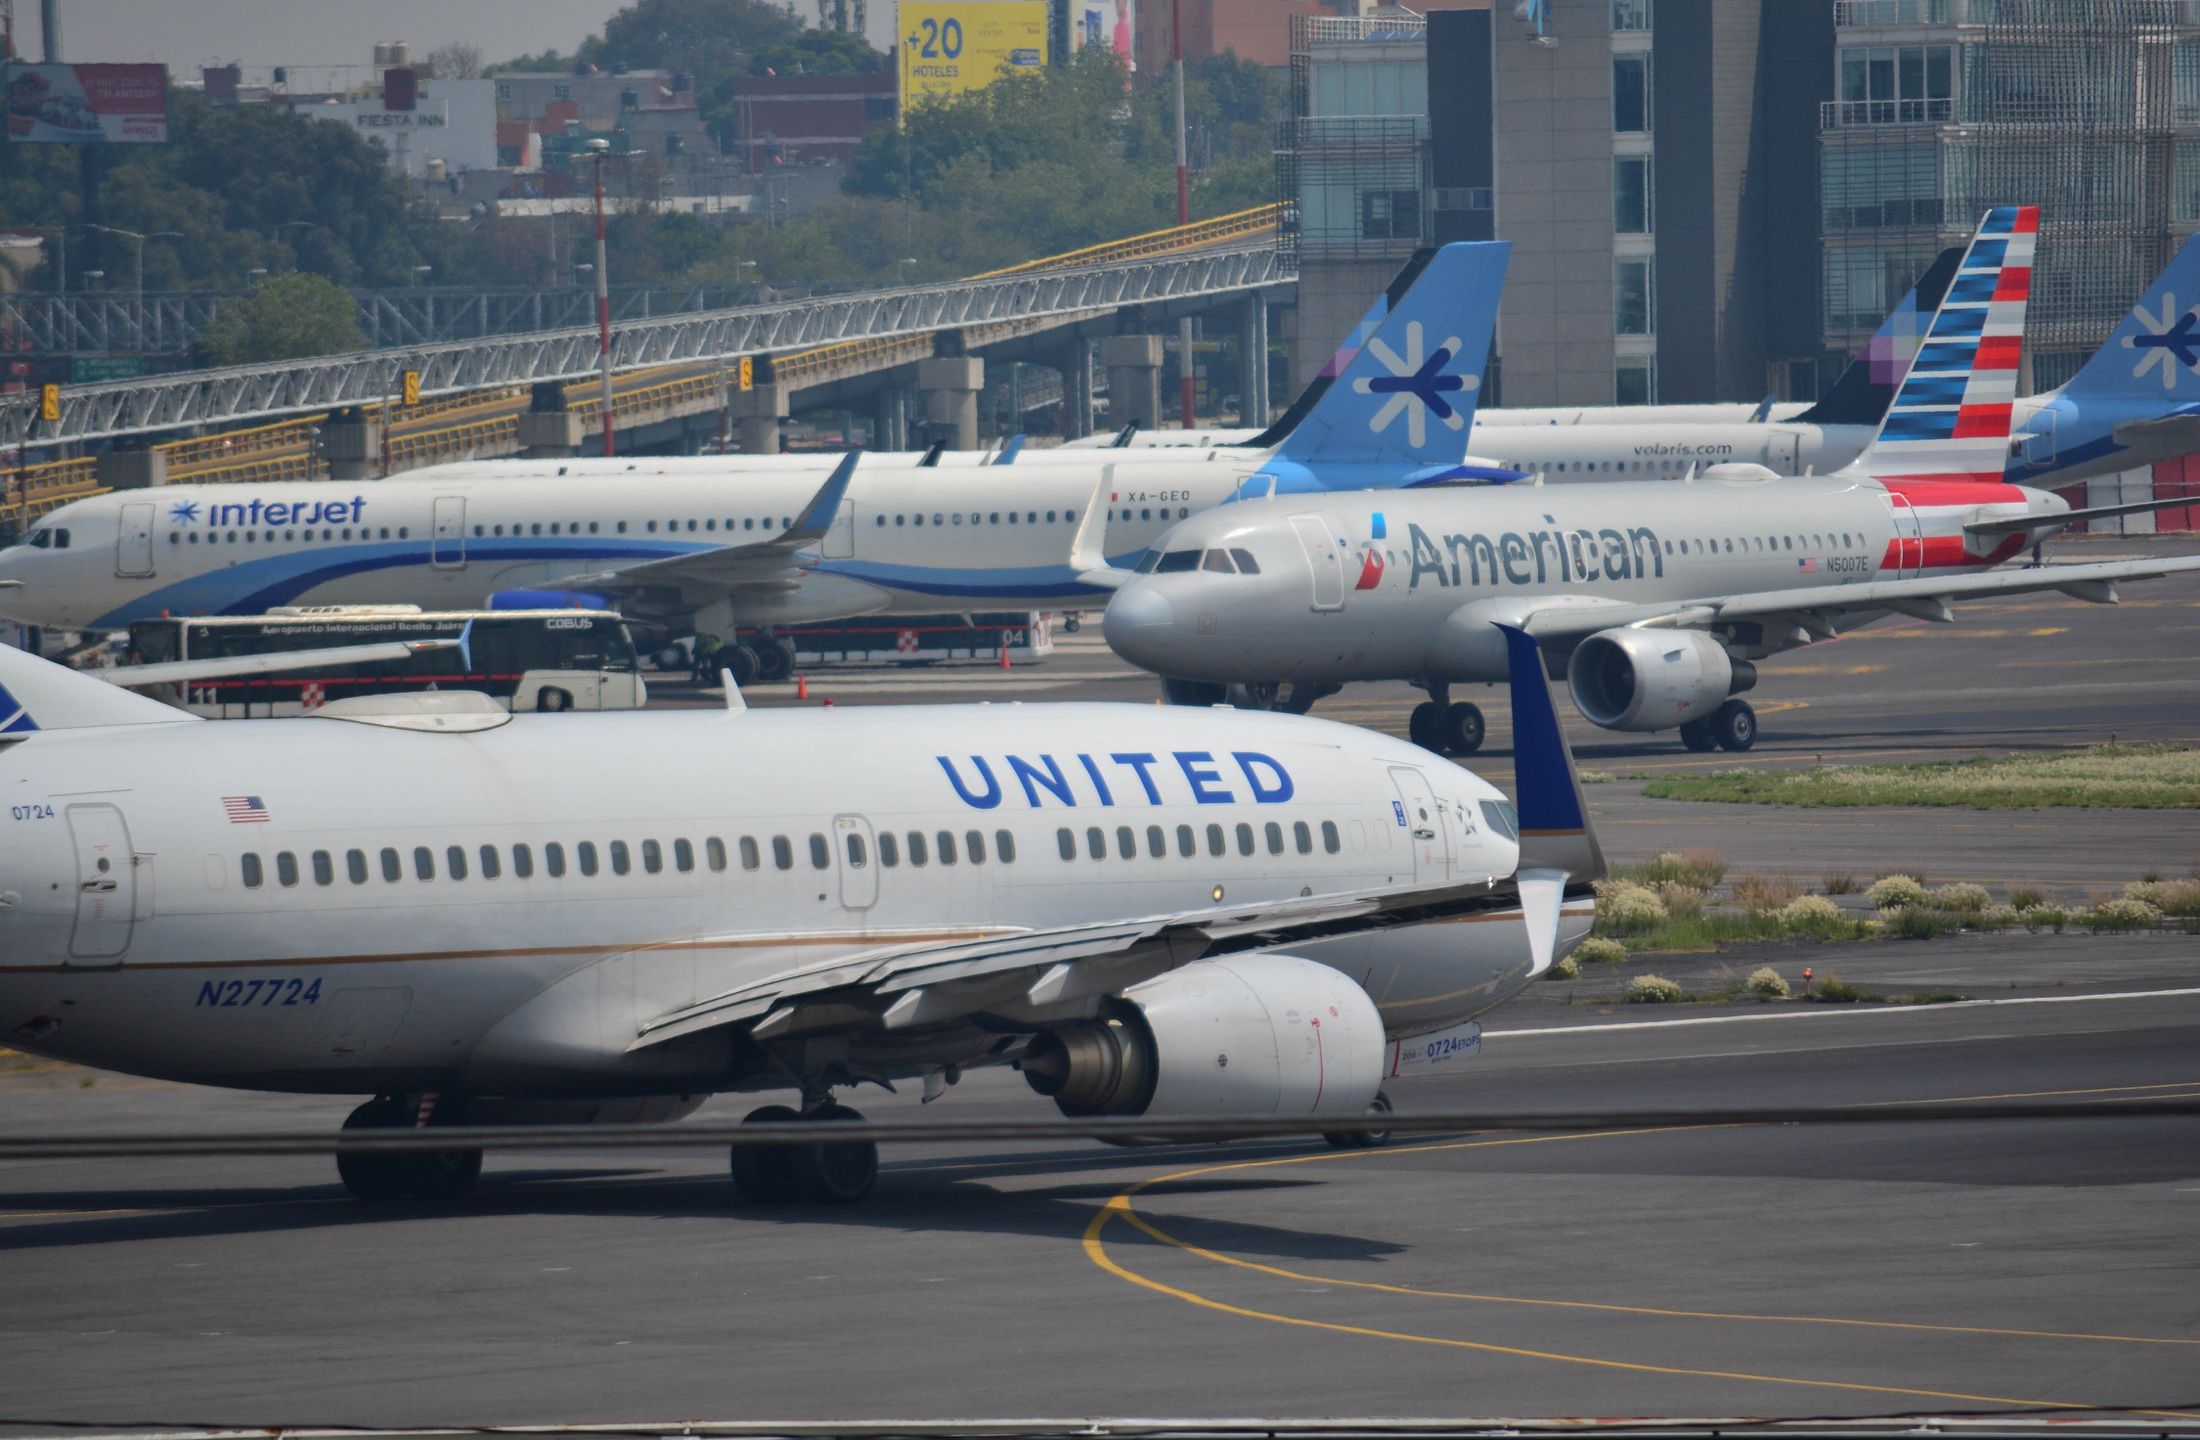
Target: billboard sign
column 952, row 47
column 63, row 104
column 1104, row 25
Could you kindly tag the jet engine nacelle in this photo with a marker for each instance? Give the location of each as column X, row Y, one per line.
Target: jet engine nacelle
column 1252, row 1035
column 1653, row 679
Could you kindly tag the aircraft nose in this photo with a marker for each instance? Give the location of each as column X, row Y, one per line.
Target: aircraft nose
column 1137, row 619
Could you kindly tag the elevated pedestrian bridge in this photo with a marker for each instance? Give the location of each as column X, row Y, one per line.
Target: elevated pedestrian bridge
column 474, row 391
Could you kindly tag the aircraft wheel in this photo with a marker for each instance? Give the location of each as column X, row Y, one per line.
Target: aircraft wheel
column 550, row 699
column 1463, row 728
column 1192, row 692
column 1697, row 736
column 1734, row 726
column 837, row 1174
column 1073, row 623
column 775, row 661
column 1363, row 1139
column 764, row 1174
column 1424, row 727
column 743, row 662
column 387, row 1178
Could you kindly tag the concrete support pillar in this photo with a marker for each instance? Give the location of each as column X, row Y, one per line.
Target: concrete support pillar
column 891, row 419
column 549, row 434
column 951, row 385
column 760, row 411
column 1077, row 384
column 1134, row 380
column 1253, row 363
column 353, row 444
column 131, row 469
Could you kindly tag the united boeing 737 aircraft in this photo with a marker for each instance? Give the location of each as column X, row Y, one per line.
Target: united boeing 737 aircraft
column 481, row 918
column 1657, row 601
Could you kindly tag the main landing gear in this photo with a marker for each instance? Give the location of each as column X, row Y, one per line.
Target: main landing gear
column 389, row 1177
column 1363, row 1139
column 766, row 658
column 1445, row 725
column 1733, row 726
column 839, row 1173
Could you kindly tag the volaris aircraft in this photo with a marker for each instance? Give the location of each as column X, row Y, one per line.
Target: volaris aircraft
column 1656, row 599
column 477, row 918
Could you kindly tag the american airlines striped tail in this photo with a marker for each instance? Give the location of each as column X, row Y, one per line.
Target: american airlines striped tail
column 1950, row 419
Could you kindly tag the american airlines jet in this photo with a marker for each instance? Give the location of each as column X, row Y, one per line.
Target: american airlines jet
column 477, row 918
column 1656, row 603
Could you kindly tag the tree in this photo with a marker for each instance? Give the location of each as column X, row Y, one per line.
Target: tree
column 459, row 60
column 819, row 52
column 286, row 317
column 706, row 38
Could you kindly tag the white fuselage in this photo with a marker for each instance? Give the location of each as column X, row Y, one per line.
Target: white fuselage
column 409, row 928
column 1406, row 585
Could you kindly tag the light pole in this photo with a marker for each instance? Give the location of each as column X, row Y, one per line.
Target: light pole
column 137, row 292
column 1183, row 204
column 601, row 150
column 901, row 269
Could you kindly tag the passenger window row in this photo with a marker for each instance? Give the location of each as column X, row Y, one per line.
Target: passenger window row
column 269, row 537
column 989, row 517
column 1271, row 836
column 585, row 858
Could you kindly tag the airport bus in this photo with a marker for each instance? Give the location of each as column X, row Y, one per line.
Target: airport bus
column 541, row 660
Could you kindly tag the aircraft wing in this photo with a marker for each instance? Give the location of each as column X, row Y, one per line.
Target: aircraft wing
column 1823, row 609
column 2171, row 434
column 930, row 982
column 763, row 563
column 174, row 672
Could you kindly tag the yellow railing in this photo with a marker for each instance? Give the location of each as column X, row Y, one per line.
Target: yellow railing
column 1239, row 225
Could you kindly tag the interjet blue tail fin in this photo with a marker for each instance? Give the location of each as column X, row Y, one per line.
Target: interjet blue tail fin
column 2152, row 360
column 1356, row 337
column 1405, row 401
column 1864, row 390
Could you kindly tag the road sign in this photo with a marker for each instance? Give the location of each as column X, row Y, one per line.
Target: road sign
column 412, row 387
column 49, row 404
column 748, row 372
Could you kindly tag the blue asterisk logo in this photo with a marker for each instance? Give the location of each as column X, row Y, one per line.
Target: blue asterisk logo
column 183, row 512
column 1411, row 378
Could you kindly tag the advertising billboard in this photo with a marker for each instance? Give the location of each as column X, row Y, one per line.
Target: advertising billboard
column 63, row 104
column 1104, row 25
column 951, row 47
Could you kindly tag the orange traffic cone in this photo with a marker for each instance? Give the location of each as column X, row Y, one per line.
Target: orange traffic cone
column 801, row 687
column 1004, row 653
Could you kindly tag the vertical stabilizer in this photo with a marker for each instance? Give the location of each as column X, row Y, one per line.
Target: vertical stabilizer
column 1555, row 833
column 2151, row 360
column 39, row 695
column 1864, row 390
column 1950, row 418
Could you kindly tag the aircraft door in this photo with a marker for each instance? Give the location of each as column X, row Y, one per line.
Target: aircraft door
column 447, row 543
column 1421, row 822
column 106, row 885
column 840, row 536
column 857, row 850
column 1781, row 452
column 1324, row 557
column 1908, row 547
column 134, row 542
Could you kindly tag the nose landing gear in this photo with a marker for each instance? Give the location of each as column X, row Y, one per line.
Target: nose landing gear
column 1445, row 725
column 1733, row 726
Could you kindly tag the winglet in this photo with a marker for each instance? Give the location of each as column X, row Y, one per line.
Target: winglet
column 932, row 455
column 466, row 647
column 736, row 702
column 1123, row 436
column 1011, row 450
column 1555, row 833
column 1763, row 412
column 817, row 516
column 1088, row 549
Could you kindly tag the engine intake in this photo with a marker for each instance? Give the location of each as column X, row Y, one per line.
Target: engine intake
column 1626, row 679
column 1254, row 1035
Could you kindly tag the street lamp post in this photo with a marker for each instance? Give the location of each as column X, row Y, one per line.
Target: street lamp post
column 137, row 291
column 601, row 150
column 1183, row 204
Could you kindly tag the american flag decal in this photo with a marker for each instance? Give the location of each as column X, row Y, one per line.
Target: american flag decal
column 245, row 809
column 1807, row 565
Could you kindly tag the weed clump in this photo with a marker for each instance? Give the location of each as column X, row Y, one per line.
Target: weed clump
column 1565, row 967
column 1812, row 915
column 1830, row 991
column 1963, row 898
column 1895, row 892
column 2036, row 918
column 1700, row 868
column 1766, row 984
column 2121, row 916
column 2172, row 897
column 2026, row 897
column 1654, row 990
column 1596, row 950
column 1626, row 908
column 1763, row 894
column 1840, row 884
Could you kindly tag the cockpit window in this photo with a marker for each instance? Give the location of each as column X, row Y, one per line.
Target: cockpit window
column 1246, row 564
column 1148, row 561
column 39, row 539
column 1219, row 562
column 1503, row 818
column 1177, row 561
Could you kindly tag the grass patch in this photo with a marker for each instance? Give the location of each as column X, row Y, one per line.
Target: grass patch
column 1830, row 991
column 1840, row 884
column 1713, row 928
column 2104, row 777
column 1697, row 869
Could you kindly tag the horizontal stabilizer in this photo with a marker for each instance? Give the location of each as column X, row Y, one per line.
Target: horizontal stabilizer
column 2048, row 524
column 178, row 672
column 38, row 695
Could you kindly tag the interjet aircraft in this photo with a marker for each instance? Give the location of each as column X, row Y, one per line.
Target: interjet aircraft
column 691, row 548
column 477, row 918
column 1656, row 600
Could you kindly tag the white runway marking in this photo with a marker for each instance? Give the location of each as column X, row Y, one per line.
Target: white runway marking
column 1830, row 1013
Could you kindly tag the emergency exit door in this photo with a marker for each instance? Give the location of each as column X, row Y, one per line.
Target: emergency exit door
column 1421, row 823
column 134, row 542
column 858, row 859
column 447, row 543
column 106, row 885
